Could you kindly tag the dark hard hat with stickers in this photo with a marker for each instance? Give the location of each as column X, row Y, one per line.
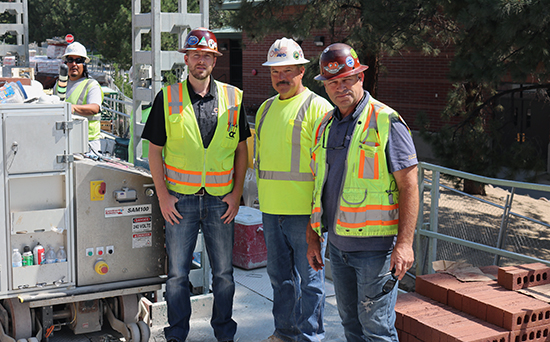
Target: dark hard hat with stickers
column 339, row 60
column 201, row 39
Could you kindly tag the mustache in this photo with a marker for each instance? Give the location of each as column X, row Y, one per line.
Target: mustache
column 283, row 82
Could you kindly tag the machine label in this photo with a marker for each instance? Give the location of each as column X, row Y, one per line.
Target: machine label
column 128, row 211
column 142, row 224
column 141, row 240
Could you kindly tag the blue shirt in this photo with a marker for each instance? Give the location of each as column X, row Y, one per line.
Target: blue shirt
column 400, row 146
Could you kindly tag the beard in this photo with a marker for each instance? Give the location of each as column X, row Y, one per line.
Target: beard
column 200, row 74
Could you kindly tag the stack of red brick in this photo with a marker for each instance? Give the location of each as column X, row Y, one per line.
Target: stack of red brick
column 444, row 309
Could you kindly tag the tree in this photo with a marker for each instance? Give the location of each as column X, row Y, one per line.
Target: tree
column 494, row 40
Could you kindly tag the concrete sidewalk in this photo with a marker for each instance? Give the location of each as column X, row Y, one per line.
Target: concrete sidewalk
column 251, row 310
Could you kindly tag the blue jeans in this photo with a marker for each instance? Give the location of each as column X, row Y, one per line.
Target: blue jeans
column 367, row 313
column 298, row 290
column 200, row 213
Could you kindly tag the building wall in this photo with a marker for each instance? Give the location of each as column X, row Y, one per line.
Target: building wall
column 412, row 83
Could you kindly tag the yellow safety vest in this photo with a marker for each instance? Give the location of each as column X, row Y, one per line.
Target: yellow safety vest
column 369, row 199
column 188, row 166
column 285, row 182
column 79, row 96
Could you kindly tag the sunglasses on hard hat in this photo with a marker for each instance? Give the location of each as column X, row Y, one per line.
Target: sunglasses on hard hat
column 78, row 60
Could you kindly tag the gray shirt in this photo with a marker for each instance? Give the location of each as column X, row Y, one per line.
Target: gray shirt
column 400, row 147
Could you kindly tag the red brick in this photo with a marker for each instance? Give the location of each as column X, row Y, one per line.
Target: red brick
column 534, row 334
column 432, row 321
column 523, row 276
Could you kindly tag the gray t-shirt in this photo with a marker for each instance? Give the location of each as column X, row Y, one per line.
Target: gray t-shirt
column 94, row 94
column 400, row 147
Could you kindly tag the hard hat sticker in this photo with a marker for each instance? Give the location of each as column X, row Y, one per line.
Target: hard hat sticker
column 296, row 55
column 203, row 42
column 353, row 53
column 192, row 40
column 278, row 52
column 333, row 67
column 212, row 44
column 349, row 61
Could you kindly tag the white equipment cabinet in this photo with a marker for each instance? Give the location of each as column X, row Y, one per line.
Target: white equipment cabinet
column 104, row 213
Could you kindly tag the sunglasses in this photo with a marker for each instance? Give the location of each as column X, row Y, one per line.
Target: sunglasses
column 78, row 60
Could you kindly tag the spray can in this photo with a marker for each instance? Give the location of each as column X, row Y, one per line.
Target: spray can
column 27, row 256
column 38, row 253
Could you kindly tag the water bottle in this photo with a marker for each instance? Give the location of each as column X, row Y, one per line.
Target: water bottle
column 61, row 255
column 12, row 92
column 39, row 254
column 16, row 259
column 50, row 256
column 27, row 256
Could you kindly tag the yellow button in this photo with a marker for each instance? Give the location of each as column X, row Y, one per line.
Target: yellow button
column 101, row 267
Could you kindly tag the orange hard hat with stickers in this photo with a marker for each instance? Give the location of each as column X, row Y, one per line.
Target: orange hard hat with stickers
column 201, row 39
column 339, row 60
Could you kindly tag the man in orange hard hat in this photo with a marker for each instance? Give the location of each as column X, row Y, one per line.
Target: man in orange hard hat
column 365, row 197
column 200, row 128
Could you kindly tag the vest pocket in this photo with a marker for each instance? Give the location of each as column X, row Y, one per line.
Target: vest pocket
column 368, row 162
column 176, row 126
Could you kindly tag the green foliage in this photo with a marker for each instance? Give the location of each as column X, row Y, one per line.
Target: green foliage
column 497, row 39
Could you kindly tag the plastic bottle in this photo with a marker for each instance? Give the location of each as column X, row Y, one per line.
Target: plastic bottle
column 61, row 255
column 27, row 256
column 50, row 256
column 39, row 254
column 12, row 92
column 16, row 259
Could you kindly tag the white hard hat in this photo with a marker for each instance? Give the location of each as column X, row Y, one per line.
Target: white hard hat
column 76, row 49
column 285, row 51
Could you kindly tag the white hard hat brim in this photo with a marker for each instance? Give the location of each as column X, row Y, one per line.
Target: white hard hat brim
column 286, row 62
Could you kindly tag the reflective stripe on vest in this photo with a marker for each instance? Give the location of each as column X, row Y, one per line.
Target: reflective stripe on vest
column 354, row 218
column 294, row 174
column 175, row 102
column 194, row 178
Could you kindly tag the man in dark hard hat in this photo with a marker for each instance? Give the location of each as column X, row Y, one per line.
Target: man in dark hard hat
column 365, row 197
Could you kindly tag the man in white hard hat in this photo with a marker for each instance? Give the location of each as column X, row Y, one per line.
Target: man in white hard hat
column 284, row 128
column 83, row 92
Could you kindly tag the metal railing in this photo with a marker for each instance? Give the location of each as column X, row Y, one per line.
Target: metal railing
column 116, row 113
column 479, row 230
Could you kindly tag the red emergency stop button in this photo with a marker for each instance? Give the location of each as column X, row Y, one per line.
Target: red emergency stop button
column 101, row 267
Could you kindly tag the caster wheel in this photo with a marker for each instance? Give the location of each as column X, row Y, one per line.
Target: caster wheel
column 144, row 330
column 135, row 334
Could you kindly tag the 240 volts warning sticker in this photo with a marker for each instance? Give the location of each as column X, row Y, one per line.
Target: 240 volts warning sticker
column 141, row 240
column 128, row 211
column 142, row 224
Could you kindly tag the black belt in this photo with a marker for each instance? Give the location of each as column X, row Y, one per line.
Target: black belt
column 201, row 192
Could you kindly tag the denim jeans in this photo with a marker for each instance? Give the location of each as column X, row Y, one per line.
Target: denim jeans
column 298, row 290
column 200, row 213
column 367, row 313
